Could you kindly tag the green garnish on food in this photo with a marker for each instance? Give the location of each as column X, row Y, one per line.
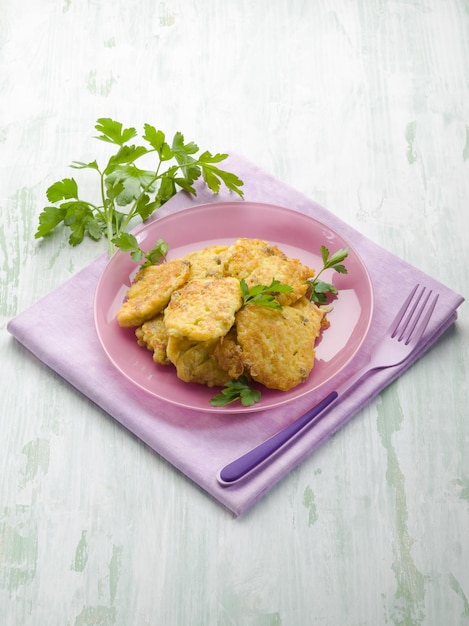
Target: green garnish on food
column 127, row 191
column 318, row 288
column 128, row 243
column 264, row 294
column 238, row 389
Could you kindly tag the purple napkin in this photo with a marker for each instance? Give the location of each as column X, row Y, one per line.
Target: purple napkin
column 59, row 330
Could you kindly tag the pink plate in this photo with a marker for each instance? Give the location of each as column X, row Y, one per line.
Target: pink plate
column 298, row 235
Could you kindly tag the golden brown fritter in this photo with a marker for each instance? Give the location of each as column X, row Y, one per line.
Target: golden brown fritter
column 207, row 263
column 308, row 308
column 151, row 291
column 244, row 256
column 189, row 312
column 203, row 309
column 288, row 271
column 229, row 354
column 278, row 345
column 195, row 361
column 152, row 334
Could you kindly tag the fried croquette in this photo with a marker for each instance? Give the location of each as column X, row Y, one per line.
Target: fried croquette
column 278, row 345
column 152, row 334
column 151, row 291
column 288, row 271
column 207, row 263
column 244, row 256
column 195, row 361
column 229, row 354
column 189, row 312
column 203, row 309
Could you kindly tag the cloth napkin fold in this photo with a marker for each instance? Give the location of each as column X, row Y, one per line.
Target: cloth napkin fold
column 62, row 324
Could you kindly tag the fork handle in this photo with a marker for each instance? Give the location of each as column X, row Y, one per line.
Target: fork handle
column 245, row 464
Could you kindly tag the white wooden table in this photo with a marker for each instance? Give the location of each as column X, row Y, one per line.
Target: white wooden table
column 364, row 107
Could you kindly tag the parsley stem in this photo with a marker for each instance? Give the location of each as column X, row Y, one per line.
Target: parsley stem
column 131, row 213
column 128, row 217
column 107, row 215
column 110, row 245
column 316, row 278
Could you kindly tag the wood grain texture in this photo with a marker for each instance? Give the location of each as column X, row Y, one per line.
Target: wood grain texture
column 363, row 106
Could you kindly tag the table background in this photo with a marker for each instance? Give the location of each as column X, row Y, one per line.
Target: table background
column 361, row 105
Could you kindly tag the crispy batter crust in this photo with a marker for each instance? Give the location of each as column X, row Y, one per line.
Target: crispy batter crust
column 278, row 346
column 195, row 361
column 153, row 335
column 207, row 263
column 244, row 256
column 203, row 309
column 151, row 291
column 229, row 354
column 288, row 271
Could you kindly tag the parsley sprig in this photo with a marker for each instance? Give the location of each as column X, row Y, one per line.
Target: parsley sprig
column 129, row 243
column 238, row 389
column 264, row 295
column 127, row 191
column 318, row 288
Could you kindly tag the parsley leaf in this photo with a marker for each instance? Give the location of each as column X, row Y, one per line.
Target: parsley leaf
column 237, row 389
column 62, row 190
column 264, row 295
column 156, row 139
column 50, row 217
column 318, row 288
column 126, row 191
column 183, row 155
column 80, row 219
column 112, row 131
column 214, row 176
column 128, row 243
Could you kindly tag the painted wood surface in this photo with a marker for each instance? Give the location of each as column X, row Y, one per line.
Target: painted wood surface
column 364, row 107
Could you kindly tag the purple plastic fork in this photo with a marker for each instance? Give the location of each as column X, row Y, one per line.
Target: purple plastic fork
column 396, row 346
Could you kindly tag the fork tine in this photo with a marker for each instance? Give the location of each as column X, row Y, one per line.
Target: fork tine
column 424, row 321
column 410, row 316
column 414, row 318
column 398, row 319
